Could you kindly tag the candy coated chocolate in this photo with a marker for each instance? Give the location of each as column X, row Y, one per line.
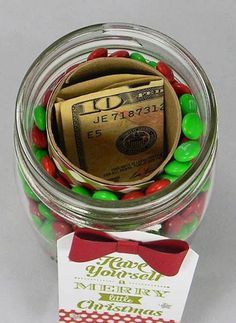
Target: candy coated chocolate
column 188, row 103
column 152, row 64
column 60, row 229
column 192, row 226
column 138, row 57
column 39, row 138
column 104, row 195
column 28, row 191
column 192, row 126
column 172, row 226
column 47, row 230
column 199, row 203
column 40, row 117
column 80, row 190
column 206, row 186
column 169, row 177
column 180, row 88
column 61, row 180
column 183, row 234
column 187, row 151
column 33, row 207
column 97, row 53
column 133, row 195
column 120, row 53
column 49, row 166
column 176, row 168
column 158, row 185
column 45, row 211
column 38, row 222
column 46, row 97
column 40, row 153
column 165, row 70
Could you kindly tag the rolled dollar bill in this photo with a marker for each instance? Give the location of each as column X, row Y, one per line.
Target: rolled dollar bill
column 172, row 129
column 105, row 121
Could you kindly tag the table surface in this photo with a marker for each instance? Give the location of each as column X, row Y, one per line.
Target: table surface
column 28, row 279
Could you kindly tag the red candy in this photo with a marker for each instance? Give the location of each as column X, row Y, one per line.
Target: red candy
column 33, row 206
column 39, row 138
column 133, row 195
column 57, row 217
column 184, row 139
column 67, row 178
column 99, row 52
column 120, row 53
column 180, row 88
column 61, row 229
column 200, row 204
column 187, row 214
column 46, row 98
column 157, row 186
column 172, row 226
column 49, row 166
column 164, row 69
column 61, row 180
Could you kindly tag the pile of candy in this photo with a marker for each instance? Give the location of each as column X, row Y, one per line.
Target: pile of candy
column 180, row 226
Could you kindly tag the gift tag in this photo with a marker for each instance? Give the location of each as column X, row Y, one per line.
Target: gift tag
column 109, row 279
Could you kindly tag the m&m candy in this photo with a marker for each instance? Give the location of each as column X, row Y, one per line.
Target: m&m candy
column 157, row 186
column 192, row 126
column 40, row 117
column 187, row 151
column 97, row 53
column 105, row 196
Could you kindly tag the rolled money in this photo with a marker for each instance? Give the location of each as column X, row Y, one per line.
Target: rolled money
column 86, row 87
column 100, row 83
column 101, row 67
column 105, row 121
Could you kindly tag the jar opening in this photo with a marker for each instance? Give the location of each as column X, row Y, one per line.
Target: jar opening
column 73, row 48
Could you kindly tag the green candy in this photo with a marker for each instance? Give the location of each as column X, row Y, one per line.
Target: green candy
column 187, row 151
column 183, row 234
column 188, row 104
column 37, row 222
column 192, row 126
column 47, row 230
column 152, row 64
column 176, row 168
column 193, row 225
column 45, row 212
column 39, row 154
column 169, row 177
column 29, row 193
column 104, row 195
column 34, row 149
column 40, row 117
column 206, row 186
column 187, row 229
column 138, row 57
column 80, row 190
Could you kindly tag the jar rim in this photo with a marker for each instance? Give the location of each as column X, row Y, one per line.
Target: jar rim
column 58, row 192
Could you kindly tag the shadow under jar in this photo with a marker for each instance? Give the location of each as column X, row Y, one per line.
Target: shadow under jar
column 55, row 210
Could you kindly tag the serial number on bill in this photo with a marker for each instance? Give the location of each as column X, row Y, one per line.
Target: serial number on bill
column 115, row 116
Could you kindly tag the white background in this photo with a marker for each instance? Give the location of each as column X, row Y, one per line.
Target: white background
column 28, row 278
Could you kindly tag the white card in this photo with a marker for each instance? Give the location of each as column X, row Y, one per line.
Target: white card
column 121, row 287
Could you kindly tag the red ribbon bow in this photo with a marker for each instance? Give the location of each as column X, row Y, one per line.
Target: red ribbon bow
column 164, row 256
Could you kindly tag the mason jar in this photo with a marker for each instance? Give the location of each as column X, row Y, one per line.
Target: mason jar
column 54, row 210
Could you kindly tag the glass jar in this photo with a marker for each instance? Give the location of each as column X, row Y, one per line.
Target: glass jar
column 177, row 210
